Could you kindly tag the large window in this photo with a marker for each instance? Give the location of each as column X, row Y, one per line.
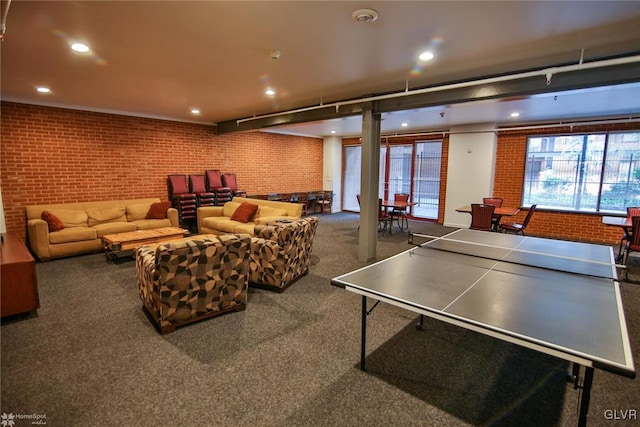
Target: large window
column 597, row 172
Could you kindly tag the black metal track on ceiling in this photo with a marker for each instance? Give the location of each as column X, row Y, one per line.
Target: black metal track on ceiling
column 570, row 80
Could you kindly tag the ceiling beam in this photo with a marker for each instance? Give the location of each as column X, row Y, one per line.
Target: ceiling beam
column 448, row 94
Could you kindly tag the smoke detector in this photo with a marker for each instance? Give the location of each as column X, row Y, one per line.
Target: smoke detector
column 364, row 15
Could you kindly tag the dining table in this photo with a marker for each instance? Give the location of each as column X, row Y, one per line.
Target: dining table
column 498, row 213
column 397, row 205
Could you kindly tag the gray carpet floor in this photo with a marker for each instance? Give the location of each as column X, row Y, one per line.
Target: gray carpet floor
column 91, row 357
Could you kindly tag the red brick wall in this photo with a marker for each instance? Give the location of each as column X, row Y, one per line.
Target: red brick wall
column 54, row 155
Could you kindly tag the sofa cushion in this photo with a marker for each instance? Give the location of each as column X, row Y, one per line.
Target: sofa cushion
column 158, row 210
column 114, row 227
column 230, row 208
column 71, row 217
column 244, row 228
column 54, row 223
column 147, row 224
column 268, row 211
column 221, row 224
column 73, row 234
column 101, row 215
column 137, row 211
column 244, row 212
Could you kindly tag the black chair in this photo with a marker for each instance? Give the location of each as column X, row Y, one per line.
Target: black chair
column 482, row 217
column 513, row 227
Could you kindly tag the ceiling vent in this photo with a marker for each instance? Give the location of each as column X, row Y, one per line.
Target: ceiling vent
column 364, row 15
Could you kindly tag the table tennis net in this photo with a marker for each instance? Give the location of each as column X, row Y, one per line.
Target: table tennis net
column 555, row 262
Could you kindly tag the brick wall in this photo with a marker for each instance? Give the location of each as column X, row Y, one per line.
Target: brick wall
column 54, row 155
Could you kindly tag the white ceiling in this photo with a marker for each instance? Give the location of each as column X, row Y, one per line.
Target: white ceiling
column 160, row 59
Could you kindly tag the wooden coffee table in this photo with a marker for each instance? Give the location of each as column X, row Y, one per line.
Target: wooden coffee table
column 124, row 244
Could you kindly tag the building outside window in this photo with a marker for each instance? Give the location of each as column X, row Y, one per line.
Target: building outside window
column 597, row 172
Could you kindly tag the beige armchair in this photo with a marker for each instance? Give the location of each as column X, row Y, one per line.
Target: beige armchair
column 193, row 279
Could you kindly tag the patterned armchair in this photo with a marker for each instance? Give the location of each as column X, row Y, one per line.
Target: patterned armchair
column 192, row 279
column 281, row 253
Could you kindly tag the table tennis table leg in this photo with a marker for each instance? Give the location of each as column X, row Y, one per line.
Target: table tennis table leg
column 420, row 325
column 363, row 338
column 586, row 395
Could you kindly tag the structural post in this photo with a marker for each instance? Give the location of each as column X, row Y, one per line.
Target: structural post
column 369, row 179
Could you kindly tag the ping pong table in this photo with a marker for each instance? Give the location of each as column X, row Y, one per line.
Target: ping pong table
column 557, row 297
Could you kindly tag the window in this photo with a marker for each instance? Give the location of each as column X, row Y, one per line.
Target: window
column 598, row 172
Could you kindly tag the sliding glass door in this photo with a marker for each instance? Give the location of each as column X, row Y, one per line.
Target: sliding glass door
column 352, row 168
column 404, row 168
column 427, row 163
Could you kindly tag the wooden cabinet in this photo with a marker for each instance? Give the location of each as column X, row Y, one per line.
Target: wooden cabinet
column 18, row 281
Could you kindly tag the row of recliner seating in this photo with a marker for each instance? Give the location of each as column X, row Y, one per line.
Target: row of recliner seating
column 211, row 189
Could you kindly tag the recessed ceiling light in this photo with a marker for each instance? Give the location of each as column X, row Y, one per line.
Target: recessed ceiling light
column 43, row 89
column 195, row 111
column 364, row 16
column 404, row 124
column 269, row 92
column 427, row 55
column 80, row 47
column 333, row 131
column 515, row 114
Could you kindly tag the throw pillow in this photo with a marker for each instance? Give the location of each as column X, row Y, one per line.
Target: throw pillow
column 55, row 224
column 158, row 210
column 244, row 212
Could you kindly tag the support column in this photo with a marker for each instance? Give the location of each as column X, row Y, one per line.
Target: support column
column 370, row 171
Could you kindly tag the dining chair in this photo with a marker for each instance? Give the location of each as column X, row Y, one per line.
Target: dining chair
column 633, row 244
column 384, row 219
column 400, row 214
column 627, row 233
column 497, row 202
column 383, row 216
column 513, row 227
column 482, row 217
column 327, row 201
column 303, row 199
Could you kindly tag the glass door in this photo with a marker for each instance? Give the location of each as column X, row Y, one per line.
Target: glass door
column 352, row 168
column 426, row 179
column 399, row 170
